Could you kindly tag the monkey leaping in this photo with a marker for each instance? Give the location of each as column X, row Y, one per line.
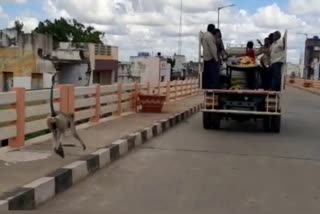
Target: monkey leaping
column 58, row 123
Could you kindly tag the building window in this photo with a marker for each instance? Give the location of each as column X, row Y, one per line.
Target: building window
column 7, row 81
column 36, row 81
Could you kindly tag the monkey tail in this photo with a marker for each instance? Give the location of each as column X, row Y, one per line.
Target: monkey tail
column 53, row 112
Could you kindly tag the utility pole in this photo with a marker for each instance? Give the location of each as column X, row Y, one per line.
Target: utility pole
column 220, row 8
column 180, row 30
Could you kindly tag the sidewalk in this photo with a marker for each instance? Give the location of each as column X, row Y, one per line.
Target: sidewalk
column 37, row 160
column 315, row 91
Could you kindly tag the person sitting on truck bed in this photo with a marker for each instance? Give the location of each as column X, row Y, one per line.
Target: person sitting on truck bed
column 250, row 51
column 211, row 71
column 277, row 60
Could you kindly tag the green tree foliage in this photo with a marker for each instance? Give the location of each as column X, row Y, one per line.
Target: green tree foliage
column 64, row 30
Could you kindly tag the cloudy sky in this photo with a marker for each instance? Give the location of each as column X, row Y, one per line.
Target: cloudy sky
column 152, row 25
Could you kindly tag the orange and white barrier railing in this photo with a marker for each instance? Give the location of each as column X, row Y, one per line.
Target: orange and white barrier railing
column 24, row 112
column 303, row 82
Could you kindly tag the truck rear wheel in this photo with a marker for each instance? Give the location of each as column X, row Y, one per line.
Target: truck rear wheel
column 272, row 123
column 216, row 121
column 266, row 123
column 275, row 122
column 206, row 119
column 211, row 120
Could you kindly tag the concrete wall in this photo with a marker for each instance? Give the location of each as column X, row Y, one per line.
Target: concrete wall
column 165, row 70
column 180, row 60
column 115, row 53
column 125, row 73
column 22, row 82
column 47, row 80
column 23, row 60
column 20, row 62
column 149, row 69
column 73, row 74
column 6, row 35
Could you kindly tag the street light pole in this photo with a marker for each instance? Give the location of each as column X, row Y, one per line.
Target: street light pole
column 219, row 16
column 304, row 34
column 220, row 8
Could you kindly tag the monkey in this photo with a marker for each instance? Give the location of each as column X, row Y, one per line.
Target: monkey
column 58, row 123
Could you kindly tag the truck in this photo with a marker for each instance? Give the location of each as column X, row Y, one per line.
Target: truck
column 239, row 103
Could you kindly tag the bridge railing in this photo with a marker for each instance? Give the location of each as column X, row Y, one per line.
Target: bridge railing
column 23, row 113
column 304, row 82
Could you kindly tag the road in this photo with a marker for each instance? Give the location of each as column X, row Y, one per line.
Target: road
column 238, row 170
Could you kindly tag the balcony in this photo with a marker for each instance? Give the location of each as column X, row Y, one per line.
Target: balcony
column 106, row 52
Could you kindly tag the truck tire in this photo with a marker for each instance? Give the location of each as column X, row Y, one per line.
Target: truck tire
column 275, row 123
column 266, row 123
column 216, row 121
column 206, row 119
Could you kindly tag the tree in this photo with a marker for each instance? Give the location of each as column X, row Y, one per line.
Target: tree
column 63, row 30
column 18, row 26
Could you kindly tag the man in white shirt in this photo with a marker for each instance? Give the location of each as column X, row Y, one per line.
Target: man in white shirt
column 210, row 75
column 277, row 60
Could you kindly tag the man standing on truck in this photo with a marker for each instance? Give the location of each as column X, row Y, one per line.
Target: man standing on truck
column 222, row 53
column 211, row 71
column 277, row 60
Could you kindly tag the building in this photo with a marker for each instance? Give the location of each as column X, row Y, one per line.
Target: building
column 191, row 69
column 179, row 67
column 312, row 52
column 29, row 60
column 146, row 68
column 125, row 73
column 106, row 64
column 74, row 62
column 20, row 64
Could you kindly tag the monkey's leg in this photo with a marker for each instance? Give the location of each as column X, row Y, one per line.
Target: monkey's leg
column 75, row 135
column 58, row 149
column 55, row 138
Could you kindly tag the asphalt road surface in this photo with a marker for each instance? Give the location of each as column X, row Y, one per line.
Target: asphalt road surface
column 238, row 170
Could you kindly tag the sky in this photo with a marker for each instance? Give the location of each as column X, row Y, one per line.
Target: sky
column 153, row 25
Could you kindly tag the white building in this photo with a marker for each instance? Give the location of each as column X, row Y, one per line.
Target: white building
column 180, row 61
column 145, row 69
column 125, row 73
